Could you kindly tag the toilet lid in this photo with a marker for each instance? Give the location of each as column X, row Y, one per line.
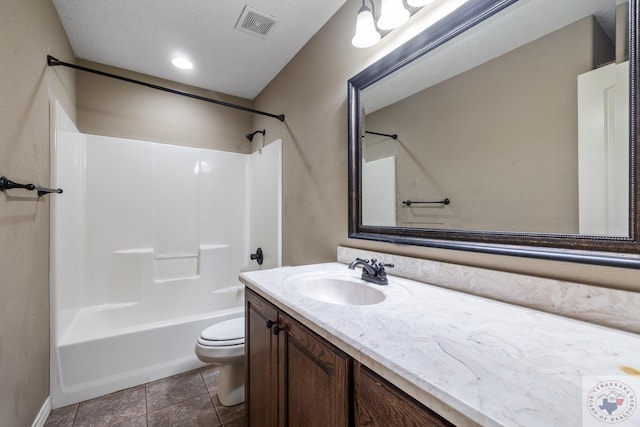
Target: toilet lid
column 229, row 332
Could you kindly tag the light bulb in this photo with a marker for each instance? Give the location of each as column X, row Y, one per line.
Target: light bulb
column 392, row 14
column 366, row 34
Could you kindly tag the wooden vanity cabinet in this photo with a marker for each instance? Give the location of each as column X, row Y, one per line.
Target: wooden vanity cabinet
column 260, row 363
column 293, row 377
column 379, row 403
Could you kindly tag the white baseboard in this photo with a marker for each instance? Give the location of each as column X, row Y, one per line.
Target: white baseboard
column 45, row 410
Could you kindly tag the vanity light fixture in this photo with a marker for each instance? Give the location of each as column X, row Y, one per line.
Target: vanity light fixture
column 366, row 34
column 182, row 63
column 392, row 14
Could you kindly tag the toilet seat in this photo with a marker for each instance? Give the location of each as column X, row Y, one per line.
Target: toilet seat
column 224, row 334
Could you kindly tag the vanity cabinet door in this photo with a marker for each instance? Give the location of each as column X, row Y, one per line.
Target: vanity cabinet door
column 293, row 376
column 315, row 378
column 261, row 363
column 381, row 404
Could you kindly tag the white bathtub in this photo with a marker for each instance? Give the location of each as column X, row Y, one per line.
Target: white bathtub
column 112, row 347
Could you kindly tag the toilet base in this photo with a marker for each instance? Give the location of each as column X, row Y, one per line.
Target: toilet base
column 231, row 387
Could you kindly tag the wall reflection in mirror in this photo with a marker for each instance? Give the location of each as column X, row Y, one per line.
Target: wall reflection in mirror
column 521, row 122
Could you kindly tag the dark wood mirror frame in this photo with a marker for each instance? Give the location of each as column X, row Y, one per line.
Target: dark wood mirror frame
column 589, row 249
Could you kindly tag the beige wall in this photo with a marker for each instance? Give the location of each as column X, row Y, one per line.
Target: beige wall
column 115, row 108
column 476, row 139
column 312, row 92
column 29, row 30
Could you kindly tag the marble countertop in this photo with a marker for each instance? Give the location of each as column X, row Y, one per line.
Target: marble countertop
column 473, row 360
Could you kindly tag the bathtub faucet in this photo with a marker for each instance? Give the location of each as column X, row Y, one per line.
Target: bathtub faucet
column 374, row 272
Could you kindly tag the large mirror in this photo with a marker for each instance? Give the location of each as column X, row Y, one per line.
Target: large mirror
column 506, row 127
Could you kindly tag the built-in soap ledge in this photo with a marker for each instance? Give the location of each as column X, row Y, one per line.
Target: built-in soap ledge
column 608, row 307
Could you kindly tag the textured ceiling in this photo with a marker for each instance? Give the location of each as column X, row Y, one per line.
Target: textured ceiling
column 143, row 36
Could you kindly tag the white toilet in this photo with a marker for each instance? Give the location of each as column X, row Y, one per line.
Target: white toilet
column 223, row 344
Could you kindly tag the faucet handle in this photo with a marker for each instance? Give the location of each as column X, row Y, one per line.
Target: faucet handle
column 364, row 260
column 381, row 271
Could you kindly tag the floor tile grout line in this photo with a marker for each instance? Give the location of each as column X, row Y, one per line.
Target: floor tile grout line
column 146, row 404
column 215, row 408
column 75, row 415
column 211, row 396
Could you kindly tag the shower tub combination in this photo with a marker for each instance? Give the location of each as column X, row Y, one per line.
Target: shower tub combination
column 147, row 242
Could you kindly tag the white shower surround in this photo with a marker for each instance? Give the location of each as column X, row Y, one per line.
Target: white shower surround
column 147, row 242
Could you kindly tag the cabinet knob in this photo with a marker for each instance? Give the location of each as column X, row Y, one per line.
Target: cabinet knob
column 276, row 329
column 269, row 323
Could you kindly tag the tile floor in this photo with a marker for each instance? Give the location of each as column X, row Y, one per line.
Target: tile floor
column 184, row 400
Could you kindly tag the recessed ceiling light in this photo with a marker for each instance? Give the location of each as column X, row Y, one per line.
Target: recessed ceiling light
column 182, row 63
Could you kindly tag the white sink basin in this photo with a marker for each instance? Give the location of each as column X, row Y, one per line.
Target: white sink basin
column 340, row 291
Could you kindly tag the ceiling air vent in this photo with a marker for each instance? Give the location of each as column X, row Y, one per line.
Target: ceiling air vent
column 255, row 22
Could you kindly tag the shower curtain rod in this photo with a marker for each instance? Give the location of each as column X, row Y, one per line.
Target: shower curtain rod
column 51, row 61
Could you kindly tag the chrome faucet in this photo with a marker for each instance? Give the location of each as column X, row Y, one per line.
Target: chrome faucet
column 374, row 272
